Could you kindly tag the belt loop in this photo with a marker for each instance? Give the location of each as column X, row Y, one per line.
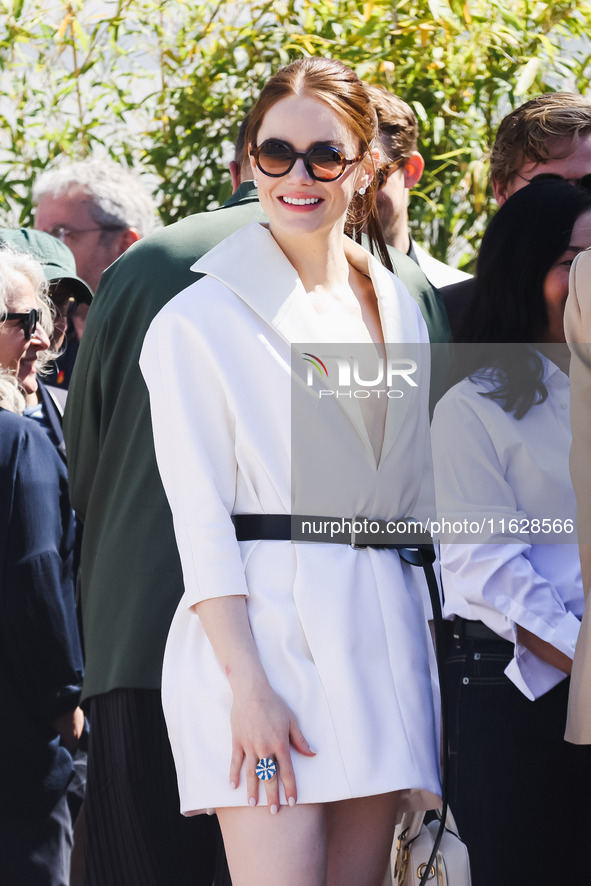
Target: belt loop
column 458, row 631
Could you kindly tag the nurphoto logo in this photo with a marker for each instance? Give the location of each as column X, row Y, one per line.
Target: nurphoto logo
column 352, row 377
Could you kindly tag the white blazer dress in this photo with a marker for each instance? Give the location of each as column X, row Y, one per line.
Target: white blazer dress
column 341, row 632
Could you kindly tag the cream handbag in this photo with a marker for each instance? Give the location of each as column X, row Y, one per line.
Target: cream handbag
column 413, row 845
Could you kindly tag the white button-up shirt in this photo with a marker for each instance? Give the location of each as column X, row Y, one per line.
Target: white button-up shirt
column 491, row 469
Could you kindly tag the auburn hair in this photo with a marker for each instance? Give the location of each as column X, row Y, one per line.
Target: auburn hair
column 333, row 83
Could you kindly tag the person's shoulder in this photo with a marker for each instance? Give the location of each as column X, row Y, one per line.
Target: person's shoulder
column 409, row 272
column 191, row 237
column 11, row 423
column 160, row 265
column 459, row 291
column 23, row 435
column 467, row 393
column 437, row 272
column 17, row 425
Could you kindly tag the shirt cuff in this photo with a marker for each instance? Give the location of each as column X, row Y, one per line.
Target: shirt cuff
column 560, row 629
column 532, row 676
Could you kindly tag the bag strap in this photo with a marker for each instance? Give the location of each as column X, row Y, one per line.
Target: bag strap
column 425, row 558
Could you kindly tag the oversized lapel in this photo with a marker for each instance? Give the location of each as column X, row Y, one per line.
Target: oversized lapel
column 269, row 284
column 265, row 280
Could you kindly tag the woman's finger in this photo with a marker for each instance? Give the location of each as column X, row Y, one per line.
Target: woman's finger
column 287, row 776
column 299, row 741
column 236, row 765
column 252, row 782
column 272, row 788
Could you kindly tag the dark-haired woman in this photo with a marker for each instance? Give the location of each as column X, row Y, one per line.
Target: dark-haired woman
column 309, row 658
column 510, row 566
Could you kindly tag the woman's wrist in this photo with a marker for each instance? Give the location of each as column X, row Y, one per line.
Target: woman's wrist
column 247, row 676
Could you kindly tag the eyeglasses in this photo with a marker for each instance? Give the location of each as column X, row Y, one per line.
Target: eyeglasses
column 323, row 163
column 384, row 171
column 28, row 321
column 61, row 233
column 584, row 182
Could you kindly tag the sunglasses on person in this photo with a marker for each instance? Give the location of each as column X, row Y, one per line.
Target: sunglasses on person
column 584, row 182
column 323, row 163
column 28, row 321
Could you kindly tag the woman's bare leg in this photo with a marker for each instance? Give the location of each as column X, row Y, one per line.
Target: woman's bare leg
column 288, row 849
column 360, row 834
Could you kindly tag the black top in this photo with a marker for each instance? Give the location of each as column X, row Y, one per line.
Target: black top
column 40, row 657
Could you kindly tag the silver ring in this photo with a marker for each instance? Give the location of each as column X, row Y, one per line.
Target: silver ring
column 266, row 768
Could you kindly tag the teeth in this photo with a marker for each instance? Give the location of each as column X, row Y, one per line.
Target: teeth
column 301, row 201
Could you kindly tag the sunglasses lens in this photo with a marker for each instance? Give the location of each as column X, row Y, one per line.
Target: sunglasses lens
column 585, row 183
column 325, row 163
column 32, row 324
column 275, row 157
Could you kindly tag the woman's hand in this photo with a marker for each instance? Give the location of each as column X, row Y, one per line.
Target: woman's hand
column 70, row 727
column 264, row 726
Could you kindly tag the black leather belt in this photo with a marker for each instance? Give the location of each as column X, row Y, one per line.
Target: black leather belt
column 464, row 629
column 358, row 531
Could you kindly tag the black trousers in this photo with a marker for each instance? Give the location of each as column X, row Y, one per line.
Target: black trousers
column 36, row 851
column 135, row 834
column 520, row 794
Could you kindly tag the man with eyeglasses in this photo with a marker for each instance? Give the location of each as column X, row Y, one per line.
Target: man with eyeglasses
column 97, row 208
column 400, row 171
column 548, row 135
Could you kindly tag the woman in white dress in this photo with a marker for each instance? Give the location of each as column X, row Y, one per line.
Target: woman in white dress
column 315, row 655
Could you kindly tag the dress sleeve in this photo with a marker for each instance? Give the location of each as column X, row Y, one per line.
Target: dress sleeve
column 492, row 580
column 194, row 434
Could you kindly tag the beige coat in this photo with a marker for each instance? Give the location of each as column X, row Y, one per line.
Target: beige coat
column 578, row 334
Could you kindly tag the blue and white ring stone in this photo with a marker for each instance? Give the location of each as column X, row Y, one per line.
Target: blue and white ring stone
column 266, row 768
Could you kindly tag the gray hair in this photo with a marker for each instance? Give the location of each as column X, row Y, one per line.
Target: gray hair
column 118, row 197
column 13, row 266
column 10, row 395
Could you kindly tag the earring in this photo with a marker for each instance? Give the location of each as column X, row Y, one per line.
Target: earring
column 362, row 191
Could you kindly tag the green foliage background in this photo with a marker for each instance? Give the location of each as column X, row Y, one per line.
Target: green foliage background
column 163, row 86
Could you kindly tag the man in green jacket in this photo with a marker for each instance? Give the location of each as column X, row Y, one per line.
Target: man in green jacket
column 130, row 573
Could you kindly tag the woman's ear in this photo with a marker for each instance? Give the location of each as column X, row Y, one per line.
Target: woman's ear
column 369, row 168
column 253, row 165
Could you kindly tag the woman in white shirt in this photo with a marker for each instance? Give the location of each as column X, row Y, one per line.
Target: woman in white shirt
column 510, row 568
column 311, row 659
